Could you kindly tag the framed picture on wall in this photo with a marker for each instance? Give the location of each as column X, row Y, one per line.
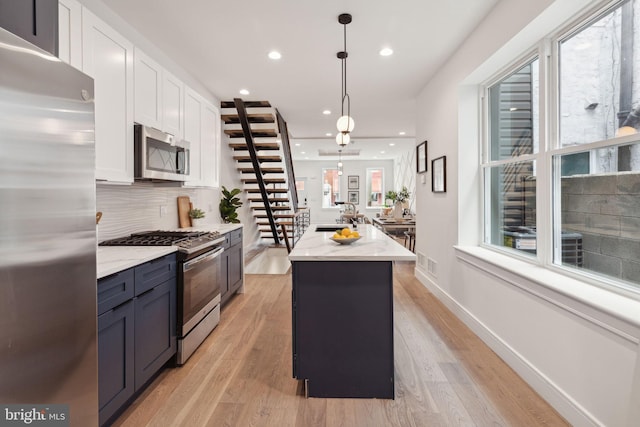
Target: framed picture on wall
column 421, row 157
column 439, row 175
column 353, row 182
column 354, row 197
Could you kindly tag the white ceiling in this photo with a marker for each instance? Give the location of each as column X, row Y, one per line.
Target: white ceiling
column 224, row 44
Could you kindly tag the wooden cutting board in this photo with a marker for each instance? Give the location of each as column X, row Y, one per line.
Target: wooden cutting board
column 184, row 206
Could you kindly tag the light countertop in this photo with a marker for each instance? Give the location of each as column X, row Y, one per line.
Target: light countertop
column 374, row 245
column 112, row 259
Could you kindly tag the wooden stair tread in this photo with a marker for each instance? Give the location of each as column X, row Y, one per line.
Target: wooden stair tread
column 253, row 118
column 269, row 190
column 260, row 158
column 270, row 199
column 265, row 180
column 258, row 145
column 273, row 208
column 263, row 170
column 286, row 223
column 256, row 133
column 247, row 104
column 261, row 216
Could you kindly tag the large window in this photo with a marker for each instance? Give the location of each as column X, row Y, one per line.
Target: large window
column 375, row 187
column 510, row 170
column 572, row 199
column 330, row 188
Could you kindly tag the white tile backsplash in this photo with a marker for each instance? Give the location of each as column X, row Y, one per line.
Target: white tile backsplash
column 134, row 208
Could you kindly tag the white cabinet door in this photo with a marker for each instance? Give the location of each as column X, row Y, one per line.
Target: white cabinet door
column 108, row 58
column 210, row 146
column 148, row 90
column 192, row 133
column 70, row 32
column 172, row 105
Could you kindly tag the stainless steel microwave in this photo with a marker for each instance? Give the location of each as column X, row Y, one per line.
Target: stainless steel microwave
column 159, row 155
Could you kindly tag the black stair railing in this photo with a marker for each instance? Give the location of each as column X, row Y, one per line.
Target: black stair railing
column 246, row 129
column 286, row 149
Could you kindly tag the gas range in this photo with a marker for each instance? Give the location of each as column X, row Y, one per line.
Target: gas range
column 189, row 243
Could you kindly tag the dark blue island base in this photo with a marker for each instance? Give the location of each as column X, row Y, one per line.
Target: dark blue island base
column 343, row 328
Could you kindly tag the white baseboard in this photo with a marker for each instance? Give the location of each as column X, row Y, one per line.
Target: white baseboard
column 556, row 397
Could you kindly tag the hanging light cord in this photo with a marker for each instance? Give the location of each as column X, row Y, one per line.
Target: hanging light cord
column 344, row 75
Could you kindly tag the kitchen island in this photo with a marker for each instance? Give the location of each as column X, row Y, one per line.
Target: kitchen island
column 342, row 305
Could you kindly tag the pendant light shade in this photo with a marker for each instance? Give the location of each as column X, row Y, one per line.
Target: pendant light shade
column 345, row 124
column 343, row 138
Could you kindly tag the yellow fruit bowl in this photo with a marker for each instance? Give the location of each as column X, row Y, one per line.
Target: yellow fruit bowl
column 345, row 240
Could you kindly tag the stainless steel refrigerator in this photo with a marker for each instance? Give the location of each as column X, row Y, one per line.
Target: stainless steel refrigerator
column 48, row 338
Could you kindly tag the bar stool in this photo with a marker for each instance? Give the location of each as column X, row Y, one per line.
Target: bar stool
column 410, row 236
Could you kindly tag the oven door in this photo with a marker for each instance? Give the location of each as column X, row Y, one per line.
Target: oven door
column 200, row 287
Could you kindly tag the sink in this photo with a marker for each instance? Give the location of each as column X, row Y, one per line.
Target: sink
column 329, row 227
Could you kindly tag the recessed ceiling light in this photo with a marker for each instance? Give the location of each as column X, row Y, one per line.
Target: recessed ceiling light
column 386, row 51
column 375, row 157
column 303, row 152
column 382, row 152
column 391, row 144
column 326, row 112
column 328, row 134
column 297, row 144
column 274, row 54
column 244, row 92
column 402, row 133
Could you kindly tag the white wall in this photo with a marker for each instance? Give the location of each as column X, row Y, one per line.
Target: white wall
column 581, row 359
column 312, row 171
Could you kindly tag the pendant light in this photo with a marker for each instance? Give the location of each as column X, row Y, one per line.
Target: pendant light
column 345, row 123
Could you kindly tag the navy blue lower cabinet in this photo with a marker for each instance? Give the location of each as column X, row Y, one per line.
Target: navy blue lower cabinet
column 115, row 359
column 136, row 330
column 155, row 330
column 231, row 265
column 343, row 328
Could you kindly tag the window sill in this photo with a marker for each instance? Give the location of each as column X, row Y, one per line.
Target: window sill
column 614, row 312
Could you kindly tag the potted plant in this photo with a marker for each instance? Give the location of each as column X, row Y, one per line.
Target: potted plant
column 196, row 216
column 400, row 201
column 229, row 204
column 403, row 197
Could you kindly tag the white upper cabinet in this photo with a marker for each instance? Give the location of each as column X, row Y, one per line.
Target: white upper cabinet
column 148, row 90
column 131, row 87
column 193, row 104
column 210, row 146
column 70, row 32
column 159, row 96
column 172, row 105
column 202, row 130
column 108, row 58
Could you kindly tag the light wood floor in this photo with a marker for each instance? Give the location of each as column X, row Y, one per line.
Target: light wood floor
column 241, row 375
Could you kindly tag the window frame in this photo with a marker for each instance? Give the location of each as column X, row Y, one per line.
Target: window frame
column 334, row 207
column 366, row 187
column 548, row 174
column 487, row 164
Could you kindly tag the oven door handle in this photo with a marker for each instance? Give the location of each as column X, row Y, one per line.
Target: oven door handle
column 202, row 258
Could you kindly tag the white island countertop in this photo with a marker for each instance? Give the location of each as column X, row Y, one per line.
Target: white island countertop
column 374, row 245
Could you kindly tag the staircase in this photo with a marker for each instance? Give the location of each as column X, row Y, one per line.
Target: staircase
column 263, row 158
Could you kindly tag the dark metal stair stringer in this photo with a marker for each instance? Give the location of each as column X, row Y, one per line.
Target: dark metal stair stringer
column 246, row 129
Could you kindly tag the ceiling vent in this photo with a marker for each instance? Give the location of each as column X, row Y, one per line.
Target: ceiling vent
column 337, row 152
